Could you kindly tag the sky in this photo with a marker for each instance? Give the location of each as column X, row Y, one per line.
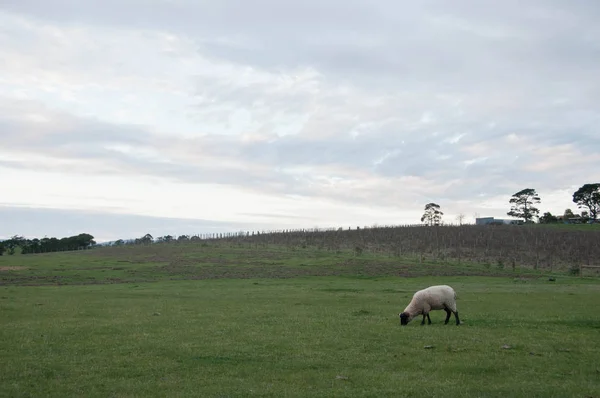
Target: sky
column 121, row 118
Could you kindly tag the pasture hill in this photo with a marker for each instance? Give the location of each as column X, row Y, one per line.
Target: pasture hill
column 306, row 314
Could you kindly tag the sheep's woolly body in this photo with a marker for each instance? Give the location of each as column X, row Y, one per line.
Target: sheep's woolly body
column 440, row 297
column 432, row 298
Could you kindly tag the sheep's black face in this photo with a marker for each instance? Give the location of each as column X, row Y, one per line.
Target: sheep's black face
column 404, row 319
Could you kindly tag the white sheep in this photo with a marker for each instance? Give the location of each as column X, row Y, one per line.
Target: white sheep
column 440, row 297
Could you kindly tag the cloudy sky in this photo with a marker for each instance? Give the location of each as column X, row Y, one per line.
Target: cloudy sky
column 119, row 118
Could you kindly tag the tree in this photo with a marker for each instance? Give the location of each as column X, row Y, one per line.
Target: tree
column 548, row 218
column 522, row 204
column 588, row 195
column 460, row 218
column 45, row 245
column 433, row 214
column 183, row 238
column 146, row 239
column 83, row 241
column 14, row 242
column 568, row 214
column 31, row 246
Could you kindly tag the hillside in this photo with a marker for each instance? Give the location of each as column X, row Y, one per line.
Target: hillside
column 397, row 251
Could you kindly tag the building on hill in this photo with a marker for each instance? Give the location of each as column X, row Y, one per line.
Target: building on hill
column 496, row 221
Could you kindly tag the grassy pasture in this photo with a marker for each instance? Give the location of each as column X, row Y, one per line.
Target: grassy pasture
column 568, row 227
column 161, row 262
column 217, row 321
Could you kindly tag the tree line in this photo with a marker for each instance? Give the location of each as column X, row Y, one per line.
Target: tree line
column 148, row 238
column 46, row 245
column 523, row 206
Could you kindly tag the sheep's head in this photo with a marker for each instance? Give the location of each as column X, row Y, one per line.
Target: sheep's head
column 405, row 318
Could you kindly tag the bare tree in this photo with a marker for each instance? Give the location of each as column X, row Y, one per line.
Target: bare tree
column 460, row 218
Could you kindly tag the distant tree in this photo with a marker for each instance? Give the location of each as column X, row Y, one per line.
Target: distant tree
column 119, row 242
column 588, row 195
column 548, row 218
column 585, row 216
column 523, row 204
column 183, row 238
column 145, row 240
column 44, row 245
column 568, row 214
column 31, row 246
column 433, row 214
column 460, row 218
column 2, row 248
column 165, row 239
column 83, row 241
column 36, row 245
column 14, row 242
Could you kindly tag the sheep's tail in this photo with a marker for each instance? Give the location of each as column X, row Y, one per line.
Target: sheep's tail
column 455, row 295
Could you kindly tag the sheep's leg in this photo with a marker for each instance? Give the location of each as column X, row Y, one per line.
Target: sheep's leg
column 456, row 316
column 428, row 318
column 448, row 313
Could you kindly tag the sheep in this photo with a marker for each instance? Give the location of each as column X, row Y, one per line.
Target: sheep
column 440, row 297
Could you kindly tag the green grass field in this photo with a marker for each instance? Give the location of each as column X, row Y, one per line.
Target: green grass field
column 188, row 320
column 569, row 227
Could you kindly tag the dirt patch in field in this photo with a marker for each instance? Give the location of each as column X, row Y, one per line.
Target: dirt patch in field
column 12, row 268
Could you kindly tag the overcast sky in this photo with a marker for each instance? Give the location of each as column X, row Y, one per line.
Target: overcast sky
column 123, row 117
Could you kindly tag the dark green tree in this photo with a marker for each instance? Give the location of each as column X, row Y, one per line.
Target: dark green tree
column 14, row 242
column 168, row 238
column 588, row 195
column 145, row 240
column 84, row 241
column 568, row 214
column 585, row 216
column 548, row 218
column 523, row 204
column 433, row 214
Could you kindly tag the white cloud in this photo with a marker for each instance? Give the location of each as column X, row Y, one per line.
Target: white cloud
column 151, row 196
column 366, row 111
